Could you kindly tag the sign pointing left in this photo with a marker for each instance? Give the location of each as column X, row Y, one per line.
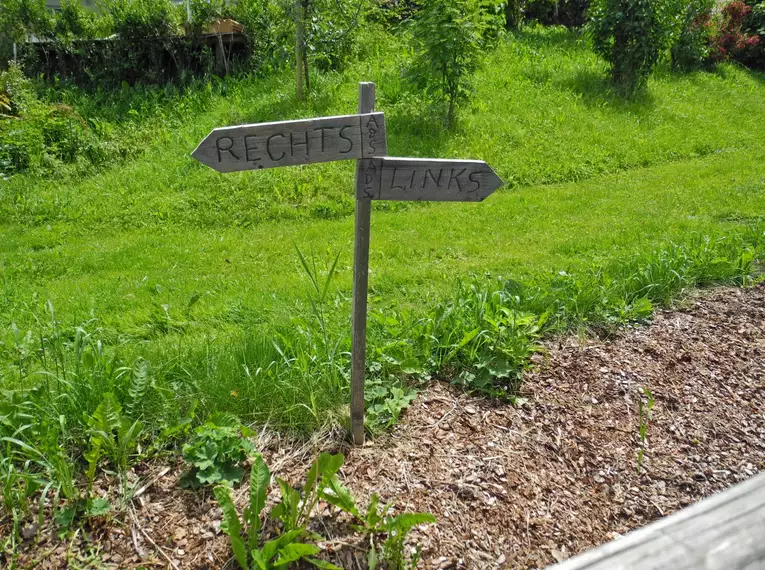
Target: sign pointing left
column 287, row 143
column 359, row 137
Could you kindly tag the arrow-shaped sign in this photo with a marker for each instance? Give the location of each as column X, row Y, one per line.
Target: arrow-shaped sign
column 358, row 137
column 427, row 179
column 286, row 143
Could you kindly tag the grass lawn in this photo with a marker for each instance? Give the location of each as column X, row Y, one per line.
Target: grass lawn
column 162, row 258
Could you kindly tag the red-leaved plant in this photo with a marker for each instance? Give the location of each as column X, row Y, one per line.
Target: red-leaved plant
column 731, row 41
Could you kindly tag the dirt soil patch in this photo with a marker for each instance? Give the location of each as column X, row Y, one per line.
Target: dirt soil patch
column 513, row 487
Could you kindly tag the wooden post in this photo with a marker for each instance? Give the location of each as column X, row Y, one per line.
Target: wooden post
column 299, row 39
column 360, row 282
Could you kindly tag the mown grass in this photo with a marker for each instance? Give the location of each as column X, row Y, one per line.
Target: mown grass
column 159, row 277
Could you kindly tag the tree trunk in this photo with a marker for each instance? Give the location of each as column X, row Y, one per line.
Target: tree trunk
column 514, row 10
column 299, row 41
column 306, row 13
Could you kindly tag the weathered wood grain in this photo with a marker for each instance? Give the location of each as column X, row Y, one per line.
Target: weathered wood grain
column 427, row 179
column 287, row 143
column 723, row 532
column 360, row 282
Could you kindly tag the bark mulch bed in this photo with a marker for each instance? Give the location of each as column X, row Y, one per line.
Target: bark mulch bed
column 515, row 487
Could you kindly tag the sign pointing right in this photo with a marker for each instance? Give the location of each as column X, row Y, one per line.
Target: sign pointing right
column 389, row 178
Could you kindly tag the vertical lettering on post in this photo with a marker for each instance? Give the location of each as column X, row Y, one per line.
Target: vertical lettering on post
column 373, row 140
column 371, row 131
column 371, row 175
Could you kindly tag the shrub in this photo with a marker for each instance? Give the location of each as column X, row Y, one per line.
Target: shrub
column 447, row 35
column 330, row 29
column 631, row 36
column 141, row 19
column 36, row 136
column 756, row 25
column 75, row 21
column 569, row 13
column 738, row 37
column 692, row 43
column 515, row 12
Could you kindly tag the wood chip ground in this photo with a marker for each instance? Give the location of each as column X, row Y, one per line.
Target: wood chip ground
column 511, row 487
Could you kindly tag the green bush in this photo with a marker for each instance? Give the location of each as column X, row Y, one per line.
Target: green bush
column 36, row 136
column 631, row 35
column 692, row 42
column 741, row 35
column 515, row 13
column 447, row 36
column 142, row 19
column 331, row 32
column 569, row 13
column 75, row 21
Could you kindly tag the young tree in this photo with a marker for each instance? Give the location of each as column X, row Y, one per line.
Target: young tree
column 447, row 35
column 631, row 36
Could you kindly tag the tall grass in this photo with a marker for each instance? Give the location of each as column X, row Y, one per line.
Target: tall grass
column 296, row 375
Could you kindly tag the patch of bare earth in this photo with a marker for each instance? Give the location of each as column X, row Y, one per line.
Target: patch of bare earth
column 521, row 487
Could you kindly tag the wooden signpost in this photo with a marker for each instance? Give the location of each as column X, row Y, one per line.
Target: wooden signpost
column 427, row 179
column 287, row 143
column 362, row 138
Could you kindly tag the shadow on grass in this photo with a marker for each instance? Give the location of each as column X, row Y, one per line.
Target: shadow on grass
column 595, row 89
column 417, row 131
column 590, row 83
column 757, row 75
column 537, row 36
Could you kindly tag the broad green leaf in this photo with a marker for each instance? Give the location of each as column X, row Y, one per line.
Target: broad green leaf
column 323, row 564
column 372, row 559
column 65, row 516
column 403, row 523
column 373, row 517
column 287, row 510
column 330, row 464
column 271, row 547
column 108, row 415
column 231, row 525
column 500, row 368
column 260, row 477
column 337, row 494
column 325, row 465
column 97, row 507
column 260, row 559
column 295, row 551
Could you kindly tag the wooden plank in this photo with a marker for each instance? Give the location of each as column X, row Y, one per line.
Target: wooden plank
column 361, row 273
column 287, row 143
column 427, row 179
column 723, row 532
